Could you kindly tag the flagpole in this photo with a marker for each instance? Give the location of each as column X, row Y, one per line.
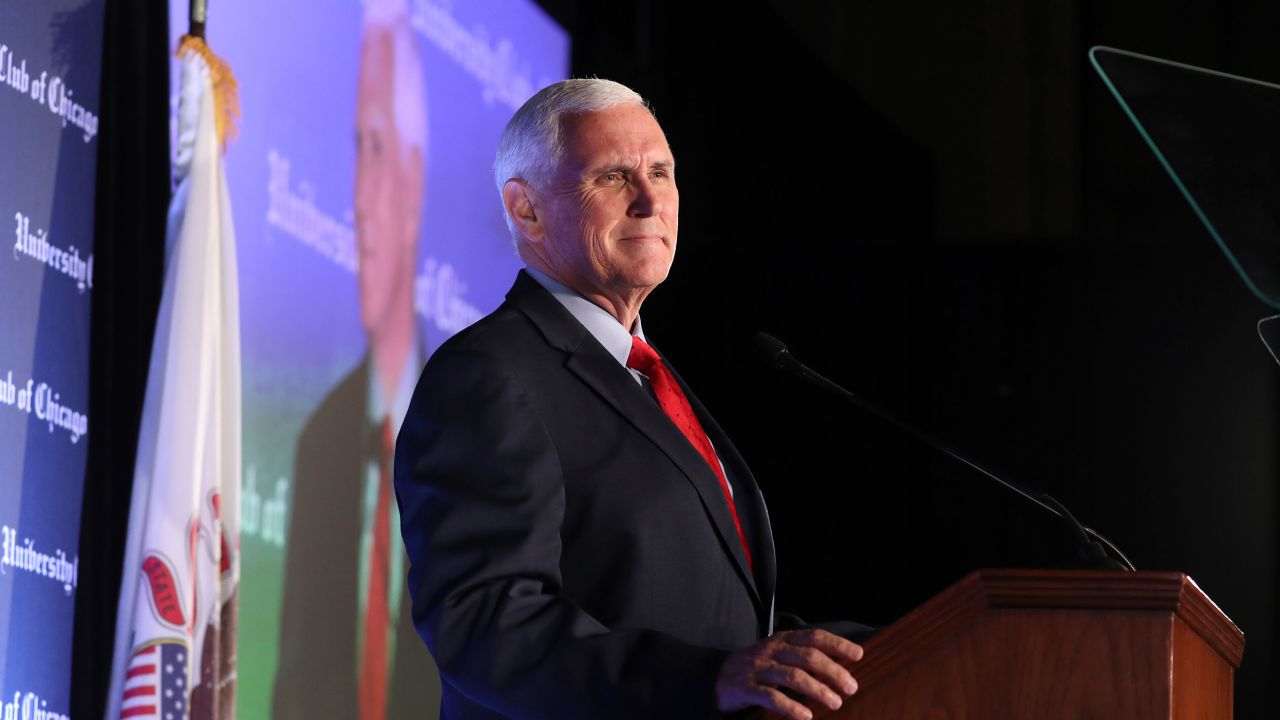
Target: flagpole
column 199, row 11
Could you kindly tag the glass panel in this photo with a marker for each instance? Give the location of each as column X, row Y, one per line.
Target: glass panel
column 1218, row 137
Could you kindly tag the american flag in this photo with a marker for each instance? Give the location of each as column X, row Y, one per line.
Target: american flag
column 155, row 686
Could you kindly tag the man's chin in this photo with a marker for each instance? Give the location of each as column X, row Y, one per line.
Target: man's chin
column 368, row 316
column 655, row 270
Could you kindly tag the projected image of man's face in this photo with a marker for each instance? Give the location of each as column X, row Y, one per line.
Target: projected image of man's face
column 387, row 199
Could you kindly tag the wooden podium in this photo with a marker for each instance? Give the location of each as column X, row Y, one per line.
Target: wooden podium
column 1050, row 644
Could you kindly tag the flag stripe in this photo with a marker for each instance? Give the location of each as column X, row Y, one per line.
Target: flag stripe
column 138, row 710
column 140, row 670
column 144, row 690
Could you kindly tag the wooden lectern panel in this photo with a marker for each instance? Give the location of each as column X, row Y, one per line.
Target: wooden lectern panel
column 1012, row 644
column 1201, row 681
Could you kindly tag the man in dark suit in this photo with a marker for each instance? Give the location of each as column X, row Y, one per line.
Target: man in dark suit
column 318, row 672
column 347, row 646
column 584, row 540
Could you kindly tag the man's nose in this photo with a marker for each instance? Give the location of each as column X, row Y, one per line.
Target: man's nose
column 647, row 201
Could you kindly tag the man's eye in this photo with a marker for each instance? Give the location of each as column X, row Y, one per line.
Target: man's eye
column 368, row 145
column 612, row 177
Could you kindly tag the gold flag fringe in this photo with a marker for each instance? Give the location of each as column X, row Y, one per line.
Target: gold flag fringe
column 225, row 96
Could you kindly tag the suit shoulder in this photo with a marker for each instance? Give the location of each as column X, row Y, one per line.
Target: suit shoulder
column 341, row 409
column 496, row 335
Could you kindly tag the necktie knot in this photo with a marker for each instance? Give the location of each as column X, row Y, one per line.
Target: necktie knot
column 643, row 358
column 381, row 442
column 387, row 434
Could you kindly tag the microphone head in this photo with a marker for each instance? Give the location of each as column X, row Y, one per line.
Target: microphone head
column 770, row 349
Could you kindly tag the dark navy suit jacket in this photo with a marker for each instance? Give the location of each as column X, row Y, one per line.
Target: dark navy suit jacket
column 571, row 554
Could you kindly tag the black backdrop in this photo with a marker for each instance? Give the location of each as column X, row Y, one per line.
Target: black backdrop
column 129, row 226
column 937, row 204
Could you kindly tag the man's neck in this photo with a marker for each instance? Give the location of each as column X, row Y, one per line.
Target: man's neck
column 389, row 349
column 624, row 307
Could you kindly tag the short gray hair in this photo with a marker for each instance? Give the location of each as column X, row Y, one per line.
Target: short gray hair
column 532, row 144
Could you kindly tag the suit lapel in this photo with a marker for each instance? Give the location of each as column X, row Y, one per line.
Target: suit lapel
column 600, row 371
column 747, row 498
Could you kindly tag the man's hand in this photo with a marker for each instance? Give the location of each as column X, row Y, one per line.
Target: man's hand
column 808, row 662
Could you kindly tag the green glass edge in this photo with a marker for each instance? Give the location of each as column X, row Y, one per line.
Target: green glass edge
column 1217, row 238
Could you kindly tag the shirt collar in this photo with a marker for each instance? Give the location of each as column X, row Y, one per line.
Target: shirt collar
column 603, row 326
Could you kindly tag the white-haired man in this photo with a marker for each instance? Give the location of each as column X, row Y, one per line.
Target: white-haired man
column 584, row 541
column 347, row 645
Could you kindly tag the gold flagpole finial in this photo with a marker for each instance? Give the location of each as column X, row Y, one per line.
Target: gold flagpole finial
column 225, row 89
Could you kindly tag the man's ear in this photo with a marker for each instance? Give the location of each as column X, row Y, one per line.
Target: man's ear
column 517, row 198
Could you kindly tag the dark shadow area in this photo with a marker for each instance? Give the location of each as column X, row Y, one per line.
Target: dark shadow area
column 129, row 228
column 946, row 211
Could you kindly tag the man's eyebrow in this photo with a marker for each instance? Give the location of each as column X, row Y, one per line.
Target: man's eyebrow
column 620, row 165
column 612, row 164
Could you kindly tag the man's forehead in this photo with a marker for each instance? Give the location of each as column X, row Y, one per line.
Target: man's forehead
column 373, row 84
column 377, row 59
column 624, row 135
column 627, row 160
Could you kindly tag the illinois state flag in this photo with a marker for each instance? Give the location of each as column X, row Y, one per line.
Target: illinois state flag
column 175, row 625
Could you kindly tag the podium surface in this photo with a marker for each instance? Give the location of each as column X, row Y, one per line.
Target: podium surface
column 1045, row 644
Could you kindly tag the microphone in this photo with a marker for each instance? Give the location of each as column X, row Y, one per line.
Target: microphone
column 774, row 352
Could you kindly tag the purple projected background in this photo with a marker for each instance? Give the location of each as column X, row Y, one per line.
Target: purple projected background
column 291, row 175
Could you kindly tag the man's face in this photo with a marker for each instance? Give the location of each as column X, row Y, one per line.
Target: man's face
column 612, row 211
column 386, row 201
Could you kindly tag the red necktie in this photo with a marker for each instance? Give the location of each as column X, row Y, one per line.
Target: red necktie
column 674, row 403
column 373, row 672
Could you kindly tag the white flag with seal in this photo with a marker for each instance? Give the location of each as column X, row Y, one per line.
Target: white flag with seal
column 175, row 623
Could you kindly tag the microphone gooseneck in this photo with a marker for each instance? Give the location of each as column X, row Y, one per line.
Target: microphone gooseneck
column 775, row 354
